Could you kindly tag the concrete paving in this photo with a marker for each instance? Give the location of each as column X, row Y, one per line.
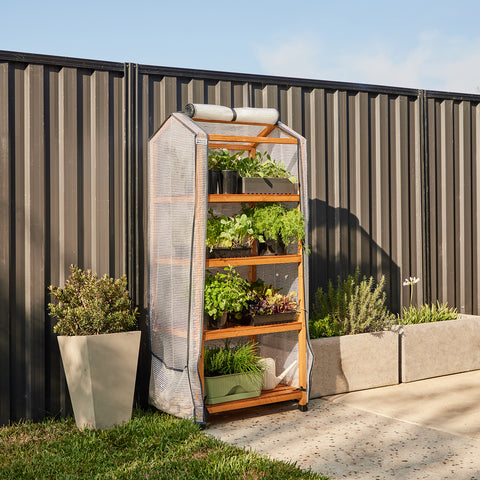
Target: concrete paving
column 428, row 429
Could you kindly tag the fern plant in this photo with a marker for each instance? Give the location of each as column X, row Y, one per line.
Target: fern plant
column 427, row 314
column 226, row 360
column 353, row 306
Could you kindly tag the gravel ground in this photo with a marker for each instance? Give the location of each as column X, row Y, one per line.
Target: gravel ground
column 337, row 438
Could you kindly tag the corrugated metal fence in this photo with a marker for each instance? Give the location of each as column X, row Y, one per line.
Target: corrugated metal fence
column 392, row 189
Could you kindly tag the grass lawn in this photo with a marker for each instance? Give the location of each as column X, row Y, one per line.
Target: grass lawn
column 152, row 446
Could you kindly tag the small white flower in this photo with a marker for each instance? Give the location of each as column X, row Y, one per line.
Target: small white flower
column 410, row 281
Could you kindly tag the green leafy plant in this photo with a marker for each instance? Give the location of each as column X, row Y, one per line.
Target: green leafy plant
column 427, row 314
column 88, row 305
column 226, row 292
column 229, row 232
column 227, row 359
column 353, row 306
column 262, row 165
column 221, row 159
column 275, row 222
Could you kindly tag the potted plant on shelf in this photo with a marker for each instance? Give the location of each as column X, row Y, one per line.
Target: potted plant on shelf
column 232, row 373
column 276, row 226
column 98, row 345
column 222, row 161
column 229, row 236
column 261, row 174
column 270, row 306
column 225, row 293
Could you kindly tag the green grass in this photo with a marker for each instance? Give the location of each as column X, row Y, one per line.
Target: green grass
column 153, row 445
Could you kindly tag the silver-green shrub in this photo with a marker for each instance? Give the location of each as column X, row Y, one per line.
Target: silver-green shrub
column 88, row 305
column 353, row 306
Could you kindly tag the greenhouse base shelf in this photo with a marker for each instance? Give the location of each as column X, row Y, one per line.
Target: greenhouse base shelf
column 281, row 393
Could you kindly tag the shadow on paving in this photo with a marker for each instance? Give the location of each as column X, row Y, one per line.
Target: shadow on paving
column 342, row 439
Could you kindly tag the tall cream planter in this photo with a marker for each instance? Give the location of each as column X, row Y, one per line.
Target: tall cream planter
column 100, row 372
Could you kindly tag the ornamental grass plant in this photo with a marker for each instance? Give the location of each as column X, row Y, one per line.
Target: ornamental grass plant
column 229, row 359
column 427, row 314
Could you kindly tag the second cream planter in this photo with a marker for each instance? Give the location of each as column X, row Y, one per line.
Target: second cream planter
column 440, row 348
column 354, row 362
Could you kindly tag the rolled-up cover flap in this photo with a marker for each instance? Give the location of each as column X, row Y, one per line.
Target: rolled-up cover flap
column 268, row 116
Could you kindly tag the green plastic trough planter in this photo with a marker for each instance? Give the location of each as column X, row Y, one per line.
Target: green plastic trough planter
column 237, row 386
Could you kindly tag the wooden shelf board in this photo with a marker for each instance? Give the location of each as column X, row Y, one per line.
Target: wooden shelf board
column 254, row 260
column 281, row 393
column 252, row 197
column 246, row 331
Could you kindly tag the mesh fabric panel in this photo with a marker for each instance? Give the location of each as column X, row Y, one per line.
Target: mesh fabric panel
column 175, row 286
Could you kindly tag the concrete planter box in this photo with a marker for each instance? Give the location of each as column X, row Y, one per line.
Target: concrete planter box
column 100, row 372
column 440, row 348
column 354, row 362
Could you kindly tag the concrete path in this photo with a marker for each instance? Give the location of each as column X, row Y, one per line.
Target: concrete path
column 421, row 430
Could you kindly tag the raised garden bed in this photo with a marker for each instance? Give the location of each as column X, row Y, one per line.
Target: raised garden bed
column 440, row 348
column 354, row 362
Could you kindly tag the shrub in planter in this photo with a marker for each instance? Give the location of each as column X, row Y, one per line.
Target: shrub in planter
column 346, row 362
column 88, row 305
column 95, row 319
column 353, row 306
column 232, row 373
column 225, row 293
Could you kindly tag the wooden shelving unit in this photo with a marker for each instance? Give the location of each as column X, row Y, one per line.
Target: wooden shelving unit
column 281, row 392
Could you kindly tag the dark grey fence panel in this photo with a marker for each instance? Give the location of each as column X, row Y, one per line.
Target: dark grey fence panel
column 365, row 165
column 63, row 201
column 454, row 184
column 394, row 185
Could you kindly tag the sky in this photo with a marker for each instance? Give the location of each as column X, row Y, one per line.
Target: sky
column 423, row 44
